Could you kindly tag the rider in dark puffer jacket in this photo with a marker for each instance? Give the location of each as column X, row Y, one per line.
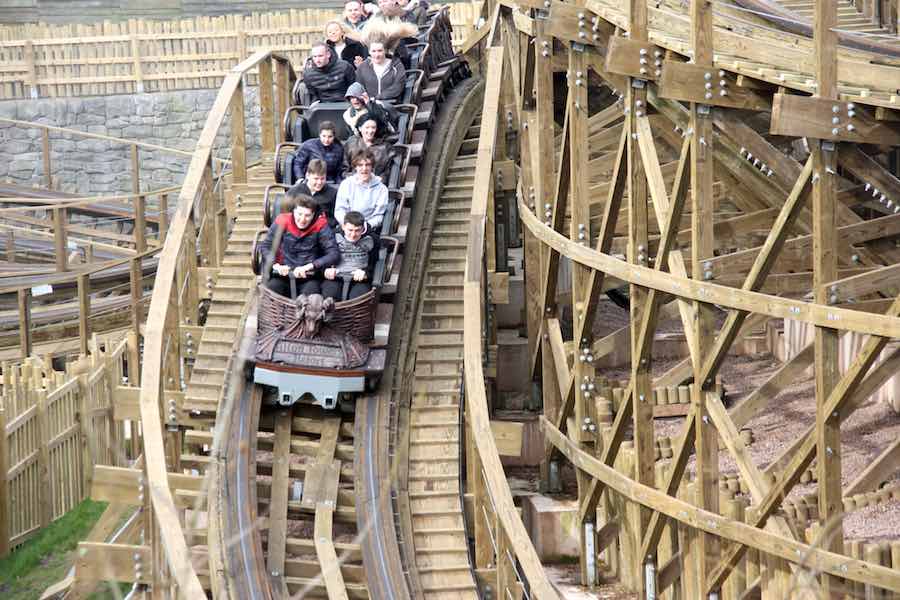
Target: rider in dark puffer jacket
column 326, row 76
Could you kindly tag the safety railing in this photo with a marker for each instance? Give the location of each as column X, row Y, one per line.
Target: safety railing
column 199, row 210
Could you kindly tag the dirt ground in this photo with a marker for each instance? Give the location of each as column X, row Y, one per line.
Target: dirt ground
column 864, row 434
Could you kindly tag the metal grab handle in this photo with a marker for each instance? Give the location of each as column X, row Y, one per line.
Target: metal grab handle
column 293, row 281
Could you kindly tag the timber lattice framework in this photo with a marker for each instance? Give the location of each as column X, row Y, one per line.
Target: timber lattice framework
column 686, row 129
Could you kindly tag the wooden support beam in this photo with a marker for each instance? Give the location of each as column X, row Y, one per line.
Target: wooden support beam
column 825, row 259
column 279, row 492
column 60, row 239
column 238, row 137
column 644, row 305
column 884, row 279
column 803, row 116
column 325, row 552
column 877, row 472
column 84, row 311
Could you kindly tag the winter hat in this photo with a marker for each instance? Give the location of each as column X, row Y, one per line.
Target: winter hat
column 356, row 90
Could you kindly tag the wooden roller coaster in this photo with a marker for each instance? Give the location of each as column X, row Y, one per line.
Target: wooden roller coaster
column 730, row 163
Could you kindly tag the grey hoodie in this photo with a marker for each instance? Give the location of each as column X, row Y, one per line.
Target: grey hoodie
column 369, row 198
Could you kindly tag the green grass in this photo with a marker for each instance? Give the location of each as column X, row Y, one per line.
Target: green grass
column 46, row 558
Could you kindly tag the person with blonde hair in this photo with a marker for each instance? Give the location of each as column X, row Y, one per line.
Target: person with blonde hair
column 348, row 49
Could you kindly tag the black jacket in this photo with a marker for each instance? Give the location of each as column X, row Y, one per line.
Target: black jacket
column 351, row 50
column 389, row 87
column 330, row 83
column 315, row 244
column 324, row 198
column 333, row 156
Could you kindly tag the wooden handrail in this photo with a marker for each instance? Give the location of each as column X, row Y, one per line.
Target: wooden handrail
column 98, row 136
column 477, row 416
column 160, row 315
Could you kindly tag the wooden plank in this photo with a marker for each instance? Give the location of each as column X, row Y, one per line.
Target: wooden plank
column 571, row 23
column 279, row 492
column 331, row 429
column 707, row 85
column 97, row 562
column 325, row 552
column 884, row 279
column 815, row 117
column 320, row 486
column 508, row 437
column 633, row 57
column 877, row 472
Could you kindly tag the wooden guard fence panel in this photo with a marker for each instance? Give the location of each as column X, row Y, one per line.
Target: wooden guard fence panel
column 155, row 56
column 54, row 427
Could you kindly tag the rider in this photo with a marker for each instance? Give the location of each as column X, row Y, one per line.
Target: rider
column 304, row 246
column 357, row 263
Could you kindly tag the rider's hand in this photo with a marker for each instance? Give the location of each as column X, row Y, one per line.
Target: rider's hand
column 304, row 271
column 359, row 275
column 282, row 270
column 330, row 273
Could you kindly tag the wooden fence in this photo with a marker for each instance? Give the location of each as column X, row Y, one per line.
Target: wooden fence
column 54, row 428
column 152, row 56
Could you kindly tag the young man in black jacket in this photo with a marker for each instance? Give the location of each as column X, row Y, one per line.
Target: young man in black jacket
column 305, row 246
column 325, row 75
column 316, row 187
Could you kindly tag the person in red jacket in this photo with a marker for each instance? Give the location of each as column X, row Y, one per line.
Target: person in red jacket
column 299, row 242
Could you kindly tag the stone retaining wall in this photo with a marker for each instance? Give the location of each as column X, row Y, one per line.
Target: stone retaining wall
column 89, row 166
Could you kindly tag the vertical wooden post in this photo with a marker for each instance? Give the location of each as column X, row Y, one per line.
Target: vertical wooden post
column 136, row 287
column 238, row 137
column 541, row 195
column 702, row 248
column 25, row 323
column 45, row 153
column 638, row 253
column 580, row 230
column 134, row 380
column 282, row 93
column 31, row 72
column 86, row 434
column 241, row 43
column 191, row 294
column 135, row 169
column 825, row 240
column 267, row 106
column 4, row 483
column 10, row 246
column 84, row 311
column 163, row 217
column 60, row 243
column 136, row 63
column 46, row 494
column 140, row 223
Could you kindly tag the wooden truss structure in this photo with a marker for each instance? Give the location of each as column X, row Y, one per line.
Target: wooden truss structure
column 675, row 153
